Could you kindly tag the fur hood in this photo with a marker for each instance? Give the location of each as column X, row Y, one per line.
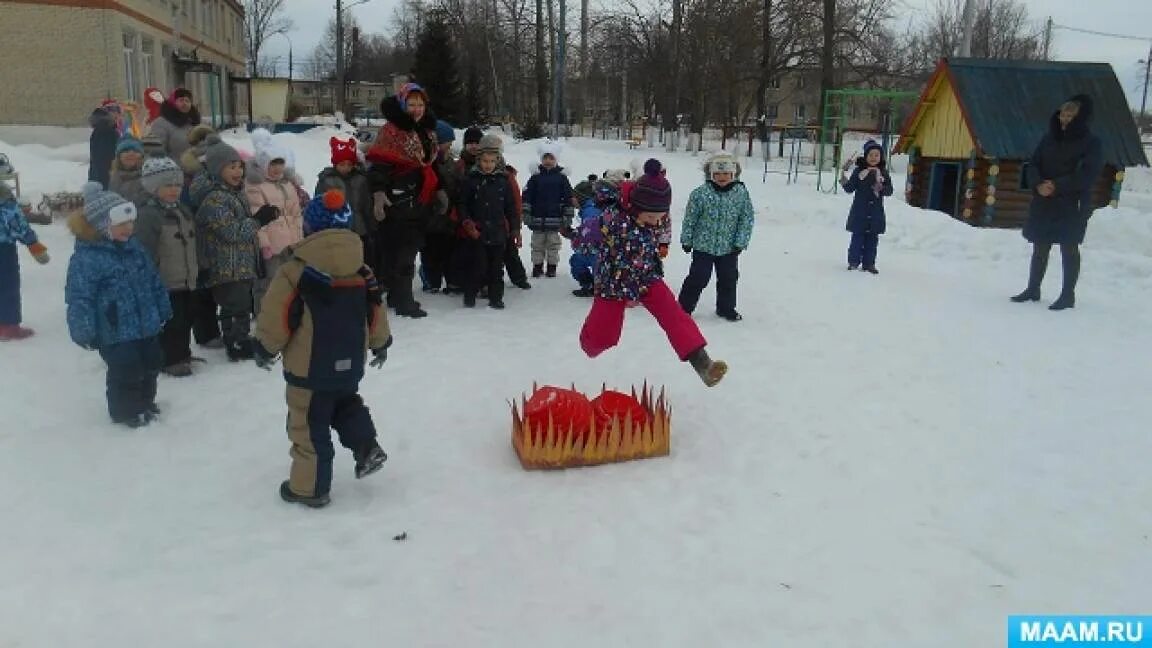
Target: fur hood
column 1079, row 126
column 177, row 118
column 81, row 228
column 391, row 110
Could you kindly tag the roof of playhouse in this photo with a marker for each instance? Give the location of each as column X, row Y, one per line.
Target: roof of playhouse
column 1005, row 106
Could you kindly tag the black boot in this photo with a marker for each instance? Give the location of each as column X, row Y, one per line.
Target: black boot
column 551, row 272
column 1036, row 270
column 711, row 372
column 315, row 501
column 1070, row 260
column 537, row 270
column 369, row 459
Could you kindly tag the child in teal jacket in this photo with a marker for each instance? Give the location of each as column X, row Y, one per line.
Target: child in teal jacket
column 717, row 227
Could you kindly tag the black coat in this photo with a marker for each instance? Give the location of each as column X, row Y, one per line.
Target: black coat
column 102, row 146
column 1072, row 159
column 867, row 213
column 487, row 200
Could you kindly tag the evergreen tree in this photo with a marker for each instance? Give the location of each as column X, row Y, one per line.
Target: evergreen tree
column 474, row 95
column 436, row 70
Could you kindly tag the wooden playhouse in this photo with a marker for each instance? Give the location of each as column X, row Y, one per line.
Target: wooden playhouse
column 978, row 122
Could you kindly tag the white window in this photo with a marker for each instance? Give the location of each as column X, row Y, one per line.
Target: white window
column 801, row 113
column 800, row 83
column 774, row 82
column 131, row 82
column 147, row 71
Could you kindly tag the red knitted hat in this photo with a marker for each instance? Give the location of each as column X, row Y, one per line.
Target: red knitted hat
column 343, row 151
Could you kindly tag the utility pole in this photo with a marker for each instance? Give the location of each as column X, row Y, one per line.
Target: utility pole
column 340, row 55
column 969, row 25
column 1144, row 98
column 1047, row 37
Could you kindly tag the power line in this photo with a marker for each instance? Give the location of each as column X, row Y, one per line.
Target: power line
column 1144, row 39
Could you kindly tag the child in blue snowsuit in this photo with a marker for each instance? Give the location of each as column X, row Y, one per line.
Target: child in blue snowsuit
column 871, row 182
column 587, row 237
column 14, row 229
column 117, row 303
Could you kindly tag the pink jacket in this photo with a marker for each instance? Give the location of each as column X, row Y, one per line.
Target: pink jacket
column 286, row 230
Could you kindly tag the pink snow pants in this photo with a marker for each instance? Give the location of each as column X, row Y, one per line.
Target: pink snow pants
column 605, row 322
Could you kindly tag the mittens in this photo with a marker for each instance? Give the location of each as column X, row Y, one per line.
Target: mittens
column 267, row 214
column 39, row 252
column 380, row 203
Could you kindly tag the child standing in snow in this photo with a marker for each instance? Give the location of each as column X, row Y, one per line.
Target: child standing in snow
column 323, row 312
column 347, row 176
column 548, row 209
column 717, row 228
column 629, row 269
column 586, row 239
column 226, row 229
column 870, row 181
column 14, row 229
column 125, row 176
column 270, row 183
column 117, row 303
column 165, row 228
column 487, row 219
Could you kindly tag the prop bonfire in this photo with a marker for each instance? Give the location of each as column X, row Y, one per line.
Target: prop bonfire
column 561, row 428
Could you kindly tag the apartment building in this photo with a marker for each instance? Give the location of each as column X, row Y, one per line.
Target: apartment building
column 66, row 56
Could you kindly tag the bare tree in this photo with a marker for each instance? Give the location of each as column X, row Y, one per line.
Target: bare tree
column 263, row 19
column 541, row 74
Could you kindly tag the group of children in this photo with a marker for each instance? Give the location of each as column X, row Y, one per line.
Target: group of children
column 246, row 231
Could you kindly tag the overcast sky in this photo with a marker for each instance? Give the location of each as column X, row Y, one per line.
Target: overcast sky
column 1131, row 17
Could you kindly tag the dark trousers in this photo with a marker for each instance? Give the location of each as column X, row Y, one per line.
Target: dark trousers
column 435, row 259
column 311, row 417
column 862, row 249
column 727, row 274
column 514, row 264
column 131, row 380
column 235, row 300
column 205, row 325
column 485, row 267
column 1069, row 259
column 176, row 336
column 10, row 314
column 400, row 242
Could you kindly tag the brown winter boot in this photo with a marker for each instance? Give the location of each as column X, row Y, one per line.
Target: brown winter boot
column 711, row 372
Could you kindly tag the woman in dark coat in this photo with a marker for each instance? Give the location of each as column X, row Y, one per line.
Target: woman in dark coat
column 1066, row 164
column 102, row 146
column 403, row 183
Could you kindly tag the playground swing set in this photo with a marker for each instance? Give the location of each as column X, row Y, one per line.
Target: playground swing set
column 830, row 135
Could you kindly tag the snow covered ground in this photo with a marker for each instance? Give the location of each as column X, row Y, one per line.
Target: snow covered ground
column 899, row 460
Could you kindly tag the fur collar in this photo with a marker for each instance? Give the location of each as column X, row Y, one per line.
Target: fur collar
column 177, row 118
column 390, row 108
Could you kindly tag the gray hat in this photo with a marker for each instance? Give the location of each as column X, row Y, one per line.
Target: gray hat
column 103, row 209
column 218, row 155
column 491, row 143
column 160, row 172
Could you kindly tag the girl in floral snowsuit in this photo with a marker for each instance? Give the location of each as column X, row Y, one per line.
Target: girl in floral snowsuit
column 629, row 270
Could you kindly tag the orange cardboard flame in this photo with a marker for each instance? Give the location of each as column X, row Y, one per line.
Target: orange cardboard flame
column 620, row 440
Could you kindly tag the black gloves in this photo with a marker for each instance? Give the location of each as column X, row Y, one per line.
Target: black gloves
column 262, row 357
column 687, row 249
column 267, row 214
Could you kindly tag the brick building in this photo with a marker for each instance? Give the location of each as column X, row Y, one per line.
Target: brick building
column 66, row 56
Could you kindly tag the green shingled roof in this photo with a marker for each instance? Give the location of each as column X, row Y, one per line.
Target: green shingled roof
column 1008, row 104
